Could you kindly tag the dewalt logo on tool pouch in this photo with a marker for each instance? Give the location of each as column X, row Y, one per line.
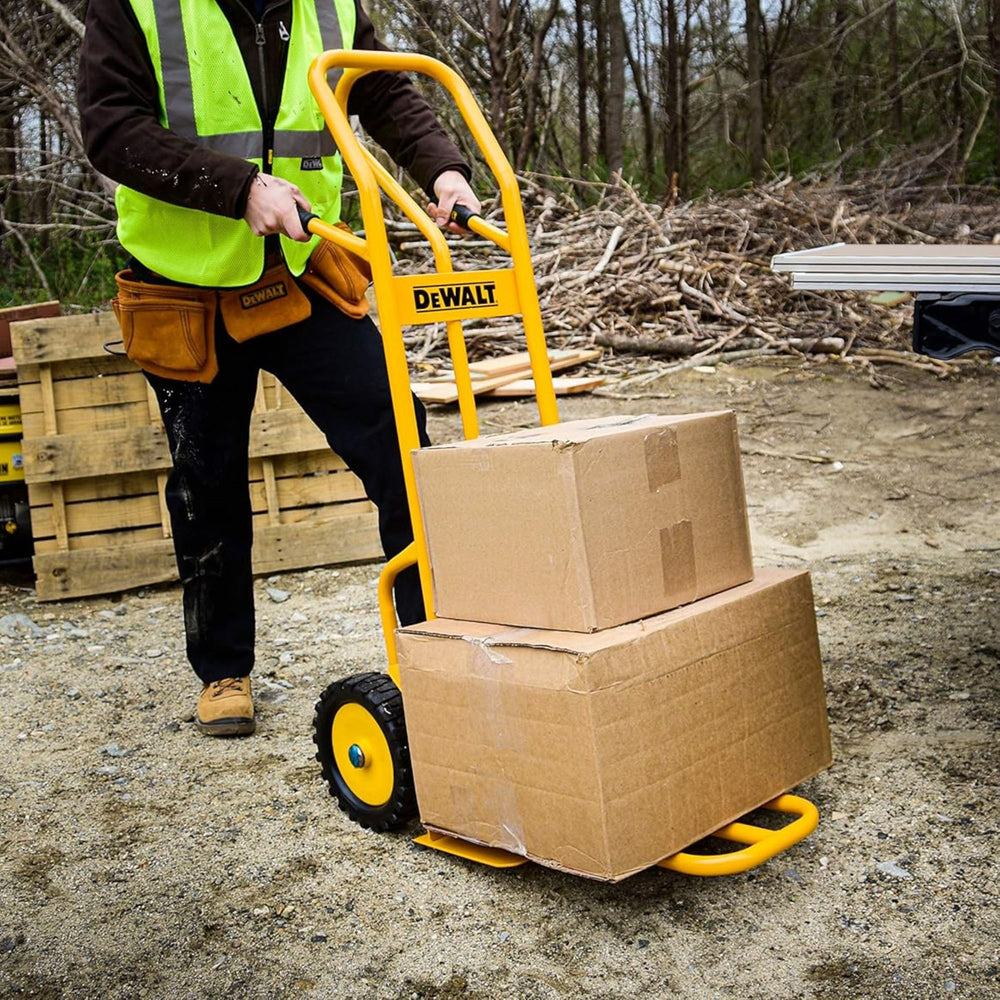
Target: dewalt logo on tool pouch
column 434, row 297
column 261, row 296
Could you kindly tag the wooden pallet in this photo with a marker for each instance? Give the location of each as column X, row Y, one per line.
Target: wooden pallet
column 96, row 461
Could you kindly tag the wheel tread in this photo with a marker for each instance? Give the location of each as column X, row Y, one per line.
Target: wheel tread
column 378, row 694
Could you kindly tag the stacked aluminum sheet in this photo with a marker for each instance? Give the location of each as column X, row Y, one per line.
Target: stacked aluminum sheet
column 896, row 268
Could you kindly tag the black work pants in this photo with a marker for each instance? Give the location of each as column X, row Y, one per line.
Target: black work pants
column 334, row 367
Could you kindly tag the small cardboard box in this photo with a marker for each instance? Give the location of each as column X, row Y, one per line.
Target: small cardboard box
column 604, row 753
column 588, row 524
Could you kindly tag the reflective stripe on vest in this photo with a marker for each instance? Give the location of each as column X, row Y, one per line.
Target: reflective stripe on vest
column 206, row 96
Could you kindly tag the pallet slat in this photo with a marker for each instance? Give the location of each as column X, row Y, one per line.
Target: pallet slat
column 139, row 510
column 58, row 457
column 152, row 529
column 64, row 338
column 84, row 572
column 111, row 450
column 309, row 473
column 87, row 392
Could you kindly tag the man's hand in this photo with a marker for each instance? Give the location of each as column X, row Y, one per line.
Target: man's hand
column 451, row 188
column 271, row 208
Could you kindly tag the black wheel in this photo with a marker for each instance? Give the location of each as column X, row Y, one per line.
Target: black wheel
column 360, row 736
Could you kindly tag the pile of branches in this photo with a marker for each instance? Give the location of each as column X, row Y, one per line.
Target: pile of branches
column 693, row 283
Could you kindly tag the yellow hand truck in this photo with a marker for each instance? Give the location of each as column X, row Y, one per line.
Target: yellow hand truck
column 359, row 726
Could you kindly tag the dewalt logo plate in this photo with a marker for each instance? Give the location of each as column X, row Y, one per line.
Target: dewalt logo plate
column 483, row 293
column 261, row 296
column 430, row 298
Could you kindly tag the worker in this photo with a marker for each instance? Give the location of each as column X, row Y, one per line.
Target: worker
column 200, row 110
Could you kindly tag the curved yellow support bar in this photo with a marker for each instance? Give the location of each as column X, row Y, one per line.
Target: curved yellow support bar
column 339, row 236
column 333, row 104
column 386, row 607
column 443, row 265
column 762, row 844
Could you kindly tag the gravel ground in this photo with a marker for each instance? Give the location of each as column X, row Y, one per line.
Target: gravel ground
column 138, row 859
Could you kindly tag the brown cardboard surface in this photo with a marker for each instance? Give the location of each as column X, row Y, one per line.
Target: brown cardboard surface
column 587, row 524
column 604, row 753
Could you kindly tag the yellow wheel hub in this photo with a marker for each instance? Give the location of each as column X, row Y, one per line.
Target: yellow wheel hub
column 362, row 754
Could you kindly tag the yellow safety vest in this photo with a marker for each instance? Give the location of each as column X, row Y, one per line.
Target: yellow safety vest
column 206, row 96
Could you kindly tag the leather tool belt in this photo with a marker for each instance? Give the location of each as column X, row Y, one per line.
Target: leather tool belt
column 169, row 330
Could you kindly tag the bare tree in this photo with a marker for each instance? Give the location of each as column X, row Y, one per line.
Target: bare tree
column 641, row 85
column 583, row 133
column 529, row 134
column 895, row 85
column 755, row 90
column 614, row 109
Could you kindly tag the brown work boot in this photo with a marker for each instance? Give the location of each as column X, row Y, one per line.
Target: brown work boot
column 225, row 708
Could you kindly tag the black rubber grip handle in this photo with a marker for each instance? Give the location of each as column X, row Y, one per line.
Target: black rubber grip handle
column 461, row 215
column 305, row 217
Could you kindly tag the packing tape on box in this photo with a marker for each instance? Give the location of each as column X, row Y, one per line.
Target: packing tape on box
column 663, row 467
column 677, row 555
column 498, row 728
column 663, row 461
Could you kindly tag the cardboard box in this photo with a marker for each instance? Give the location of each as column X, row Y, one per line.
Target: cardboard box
column 588, row 524
column 602, row 754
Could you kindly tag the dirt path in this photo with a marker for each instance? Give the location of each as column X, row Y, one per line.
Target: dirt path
column 139, row 860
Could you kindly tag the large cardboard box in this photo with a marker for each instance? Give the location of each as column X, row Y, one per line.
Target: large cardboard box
column 604, row 753
column 588, row 524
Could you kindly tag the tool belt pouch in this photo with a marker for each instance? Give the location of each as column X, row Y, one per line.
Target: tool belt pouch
column 274, row 302
column 166, row 329
column 340, row 276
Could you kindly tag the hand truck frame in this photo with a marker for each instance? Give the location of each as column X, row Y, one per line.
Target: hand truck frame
column 359, row 728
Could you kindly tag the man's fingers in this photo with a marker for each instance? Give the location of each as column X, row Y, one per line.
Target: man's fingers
column 273, row 207
column 441, row 210
column 451, row 188
column 297, row 231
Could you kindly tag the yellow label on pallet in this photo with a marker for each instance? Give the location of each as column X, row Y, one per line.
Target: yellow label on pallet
column 11, row 461
column 434, row 298
column 10, row 418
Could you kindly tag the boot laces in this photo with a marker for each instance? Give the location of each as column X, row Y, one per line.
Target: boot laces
column 226, row 684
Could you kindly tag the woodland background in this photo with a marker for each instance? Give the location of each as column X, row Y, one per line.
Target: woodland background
column 689, row 101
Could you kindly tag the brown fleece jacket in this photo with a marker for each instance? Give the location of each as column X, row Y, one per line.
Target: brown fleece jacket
column 118, row 97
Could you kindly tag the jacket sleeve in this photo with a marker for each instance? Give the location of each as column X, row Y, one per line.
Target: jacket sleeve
column 118, row 99
column 397, row 117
